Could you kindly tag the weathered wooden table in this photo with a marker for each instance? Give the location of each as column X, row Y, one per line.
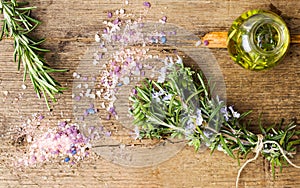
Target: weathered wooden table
column 69, row 27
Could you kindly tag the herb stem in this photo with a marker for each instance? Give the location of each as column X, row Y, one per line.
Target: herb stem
column 17, row 24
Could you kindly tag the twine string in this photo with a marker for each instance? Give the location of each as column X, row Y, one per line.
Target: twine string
column 257, row 150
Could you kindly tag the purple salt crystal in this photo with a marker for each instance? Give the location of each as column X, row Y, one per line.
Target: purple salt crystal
column 77, row 98
column 93, row 78
column 68, row 131
column 114, row 37
column 140, row 65
column 147, row 4
column 101, row 128
column 109, row 14
column 91, row 105
column 81, row 118
column 119, row 37
column 164, row 18
column 116, row 21
column 108, row 116
column 111, row 109
column 41, row 117
column 62, row 124
column 108, row 134
column 125, row 63
column 105, row 31
column 141, row 25
column 205, row 42
column 134, row 91
column 131, row 32
column 129, row 59
column 110, row 83
column 84, row 78
column 86, row 113
column 143, row 73
column 117, row 69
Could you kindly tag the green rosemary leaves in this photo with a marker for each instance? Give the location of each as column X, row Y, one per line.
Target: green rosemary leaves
column 182, row 107
column 17, row 24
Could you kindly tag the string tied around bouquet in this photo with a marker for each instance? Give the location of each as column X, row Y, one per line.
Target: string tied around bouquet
column 259, row 146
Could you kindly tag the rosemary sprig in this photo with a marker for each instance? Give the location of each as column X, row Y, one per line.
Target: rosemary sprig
column 182, row 107
column 17, row 24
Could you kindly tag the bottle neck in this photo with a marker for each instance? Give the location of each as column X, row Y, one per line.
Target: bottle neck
column 266, row 37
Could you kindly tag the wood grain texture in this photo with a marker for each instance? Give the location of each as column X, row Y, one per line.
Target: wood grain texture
column 70, row 26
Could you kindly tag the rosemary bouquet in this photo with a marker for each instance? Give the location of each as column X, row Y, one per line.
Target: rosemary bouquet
column 17, row 24
column 183, row 107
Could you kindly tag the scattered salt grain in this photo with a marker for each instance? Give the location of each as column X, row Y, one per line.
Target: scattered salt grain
column 163, row 39
column 126, row 80
column 147, row 4
column 163, row 20
column 206, row 42
column 92, row 96
column 78, row 86
column 86, row 86
column 198, row 43
column 24, row 86
column 5, row 93
column 109, row 14
column 122, row 11
column 97, row 38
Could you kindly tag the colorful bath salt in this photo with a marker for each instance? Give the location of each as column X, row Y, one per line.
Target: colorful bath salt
column 47, row 143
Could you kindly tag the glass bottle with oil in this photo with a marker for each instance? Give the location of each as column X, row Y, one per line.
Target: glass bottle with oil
column 258, row 40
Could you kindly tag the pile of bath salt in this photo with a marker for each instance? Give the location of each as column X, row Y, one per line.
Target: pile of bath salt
column 130, row 59
column 44, row 143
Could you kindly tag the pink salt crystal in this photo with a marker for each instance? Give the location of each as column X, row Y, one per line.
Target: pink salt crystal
column 117, row 69
column 113, row 63
column 118, row 74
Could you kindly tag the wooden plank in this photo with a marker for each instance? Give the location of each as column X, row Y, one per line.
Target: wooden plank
column 218, row 39
column 69, row 27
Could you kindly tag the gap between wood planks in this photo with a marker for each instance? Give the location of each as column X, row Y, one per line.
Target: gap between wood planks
column 216, row 39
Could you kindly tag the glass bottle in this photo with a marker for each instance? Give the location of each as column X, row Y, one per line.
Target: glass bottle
column 258, row 40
